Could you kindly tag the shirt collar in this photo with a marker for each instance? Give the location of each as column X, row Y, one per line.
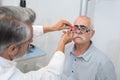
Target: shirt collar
column 6, row 62
column 86, row 56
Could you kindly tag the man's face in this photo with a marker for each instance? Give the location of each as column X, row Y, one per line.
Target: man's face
column 84, row 31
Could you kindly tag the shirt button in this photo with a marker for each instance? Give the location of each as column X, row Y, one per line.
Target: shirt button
column 75, row 59
column 70, row 52
column 72, row 71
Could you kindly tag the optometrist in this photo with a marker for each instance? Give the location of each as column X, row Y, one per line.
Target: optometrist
column 16, row 33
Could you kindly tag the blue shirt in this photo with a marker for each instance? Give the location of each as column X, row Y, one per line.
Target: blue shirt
column 92, row 65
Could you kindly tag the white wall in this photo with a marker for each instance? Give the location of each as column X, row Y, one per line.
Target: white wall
column 106, row 22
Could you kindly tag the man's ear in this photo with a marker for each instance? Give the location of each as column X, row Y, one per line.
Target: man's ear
column 12, row 50
column 92, row 33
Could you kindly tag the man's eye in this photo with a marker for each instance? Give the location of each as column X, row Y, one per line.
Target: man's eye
column 83, row 28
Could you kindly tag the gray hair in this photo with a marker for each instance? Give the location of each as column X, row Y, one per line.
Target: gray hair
column 12, row 31
column 26, row 15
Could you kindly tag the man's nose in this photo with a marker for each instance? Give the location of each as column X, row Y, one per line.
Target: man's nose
column 78, row 32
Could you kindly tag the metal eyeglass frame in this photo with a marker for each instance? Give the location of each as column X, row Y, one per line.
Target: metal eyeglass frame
column 82, row 28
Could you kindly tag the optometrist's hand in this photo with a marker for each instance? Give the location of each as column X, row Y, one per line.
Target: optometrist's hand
column 61, row 24
column 66, row 38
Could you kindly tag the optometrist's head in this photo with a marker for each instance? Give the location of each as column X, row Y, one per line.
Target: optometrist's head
column 13, row 33
column 23, row 14
column 84, row 30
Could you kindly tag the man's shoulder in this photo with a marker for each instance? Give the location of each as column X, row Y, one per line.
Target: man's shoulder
column 100, row 56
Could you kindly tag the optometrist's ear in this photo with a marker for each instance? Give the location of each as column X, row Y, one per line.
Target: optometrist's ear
column 12, row 50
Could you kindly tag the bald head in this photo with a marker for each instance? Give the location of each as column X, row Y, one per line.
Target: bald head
column 83, row 20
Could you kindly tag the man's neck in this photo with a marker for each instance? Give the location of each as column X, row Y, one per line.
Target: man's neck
column 81, row 48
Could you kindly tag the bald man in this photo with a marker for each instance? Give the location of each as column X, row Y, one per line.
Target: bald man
column 85, row 61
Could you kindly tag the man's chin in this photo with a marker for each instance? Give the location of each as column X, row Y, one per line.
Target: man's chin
column 78, row 42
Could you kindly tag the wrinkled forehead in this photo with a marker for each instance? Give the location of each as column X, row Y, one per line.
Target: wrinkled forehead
column 83, row 21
